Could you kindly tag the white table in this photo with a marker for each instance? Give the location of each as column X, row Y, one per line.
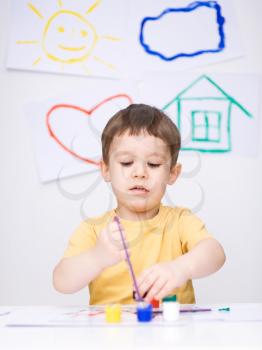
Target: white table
column 241, row 327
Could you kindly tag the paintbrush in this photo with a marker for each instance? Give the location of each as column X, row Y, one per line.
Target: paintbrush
column 139, row 298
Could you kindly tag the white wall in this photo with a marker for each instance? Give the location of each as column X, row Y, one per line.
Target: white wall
column 36, row 219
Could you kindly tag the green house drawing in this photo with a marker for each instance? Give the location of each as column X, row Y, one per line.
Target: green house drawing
column 203, row 112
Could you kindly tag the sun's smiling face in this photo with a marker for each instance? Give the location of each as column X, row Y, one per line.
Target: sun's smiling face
column 68, row 37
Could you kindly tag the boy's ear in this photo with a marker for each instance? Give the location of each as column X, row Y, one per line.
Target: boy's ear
column 174, row 173
column 105, row 171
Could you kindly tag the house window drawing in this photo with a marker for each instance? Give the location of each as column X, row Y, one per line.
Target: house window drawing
column 203, row 115
column 206, row 126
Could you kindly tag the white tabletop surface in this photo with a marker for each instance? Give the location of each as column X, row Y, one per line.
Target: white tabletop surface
column 240, row 327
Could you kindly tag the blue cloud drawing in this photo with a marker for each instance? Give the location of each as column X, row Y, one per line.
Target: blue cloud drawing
column 220, row 20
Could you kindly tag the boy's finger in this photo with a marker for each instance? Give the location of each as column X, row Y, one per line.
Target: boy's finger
column 155, row 289
column 147, row 283
column 115, row 235
column 163, row 292
column 114, row 232
column 144, row 274
column 115, row 241
column 123, row 251
column 112, row 226
column 135, row 296
column 116, row 238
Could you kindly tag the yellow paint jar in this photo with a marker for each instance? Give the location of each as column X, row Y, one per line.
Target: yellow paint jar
column 113, row 313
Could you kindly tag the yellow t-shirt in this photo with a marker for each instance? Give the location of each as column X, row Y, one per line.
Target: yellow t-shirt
column 168, row 235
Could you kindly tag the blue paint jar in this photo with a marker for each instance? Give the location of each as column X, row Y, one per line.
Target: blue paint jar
column 144, row 312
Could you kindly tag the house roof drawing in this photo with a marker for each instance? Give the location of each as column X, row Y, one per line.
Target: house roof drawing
column 204, row 88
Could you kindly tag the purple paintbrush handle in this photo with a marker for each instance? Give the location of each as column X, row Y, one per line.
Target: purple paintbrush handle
column 128, row 259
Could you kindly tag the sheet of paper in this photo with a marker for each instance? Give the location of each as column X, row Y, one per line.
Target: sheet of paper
column 71, row 37
column 67, row 129
column 5, row 312
column 75, row 317
column 177, row 35
column 95, row 316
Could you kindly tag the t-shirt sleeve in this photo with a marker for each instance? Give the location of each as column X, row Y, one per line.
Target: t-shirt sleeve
column 81, row 240
column 191, row 230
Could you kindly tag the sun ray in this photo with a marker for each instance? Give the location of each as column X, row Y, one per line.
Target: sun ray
column 107, row 64
column 109, row 37
column 60, row 4
column 34, row 9
column 37, row 61
column 27, row 42
column 92, row 7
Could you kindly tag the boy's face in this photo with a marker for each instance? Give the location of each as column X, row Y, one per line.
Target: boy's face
column 139, row 170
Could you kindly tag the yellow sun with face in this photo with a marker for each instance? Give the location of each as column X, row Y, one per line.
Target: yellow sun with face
column 68, row 37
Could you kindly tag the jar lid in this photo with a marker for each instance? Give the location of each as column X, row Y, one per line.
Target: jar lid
column 169, row 298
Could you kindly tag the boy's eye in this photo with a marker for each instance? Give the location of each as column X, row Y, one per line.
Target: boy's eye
column 153, row 165
column 126, row 163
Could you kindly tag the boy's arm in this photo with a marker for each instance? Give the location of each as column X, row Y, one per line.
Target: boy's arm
column 74, row 273
column 202, row 260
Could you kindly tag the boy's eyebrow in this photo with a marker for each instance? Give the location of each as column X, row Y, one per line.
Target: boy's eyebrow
column 158, row 154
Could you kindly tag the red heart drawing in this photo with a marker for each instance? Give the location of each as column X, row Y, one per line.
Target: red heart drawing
column 88, row 112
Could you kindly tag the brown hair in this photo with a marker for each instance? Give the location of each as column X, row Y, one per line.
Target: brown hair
column 137, row 118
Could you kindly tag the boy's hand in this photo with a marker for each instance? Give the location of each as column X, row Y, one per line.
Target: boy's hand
column 109, row 246
column 160, row 279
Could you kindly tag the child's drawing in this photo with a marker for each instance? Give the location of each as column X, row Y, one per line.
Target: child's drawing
column 87, row 113
column 204, row 16
column 204, row 116
column 215, row 114
column 176, row 35
column 60, row 37
column 67, row 130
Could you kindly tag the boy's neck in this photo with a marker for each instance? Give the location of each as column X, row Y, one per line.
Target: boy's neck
column 127, row 214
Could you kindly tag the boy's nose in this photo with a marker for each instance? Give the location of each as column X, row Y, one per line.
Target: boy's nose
column 140, row 171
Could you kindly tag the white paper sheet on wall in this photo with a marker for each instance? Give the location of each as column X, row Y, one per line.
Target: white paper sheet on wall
column 177, row 35
column 66, row 130
column 71, row 37
column 216, row 114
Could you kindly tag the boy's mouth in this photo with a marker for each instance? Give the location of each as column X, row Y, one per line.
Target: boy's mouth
column 138, row 189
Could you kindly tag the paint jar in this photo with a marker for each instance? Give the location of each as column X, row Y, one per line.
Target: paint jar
column 155, row 303
column 144, row 312
column 113, row 313
column 171, row 308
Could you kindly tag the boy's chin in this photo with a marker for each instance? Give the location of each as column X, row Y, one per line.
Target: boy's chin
column 141, row 207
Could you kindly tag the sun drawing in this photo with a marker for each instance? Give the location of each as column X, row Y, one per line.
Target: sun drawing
column 68, row 37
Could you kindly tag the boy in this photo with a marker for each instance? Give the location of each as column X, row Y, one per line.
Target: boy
column 168, row 246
